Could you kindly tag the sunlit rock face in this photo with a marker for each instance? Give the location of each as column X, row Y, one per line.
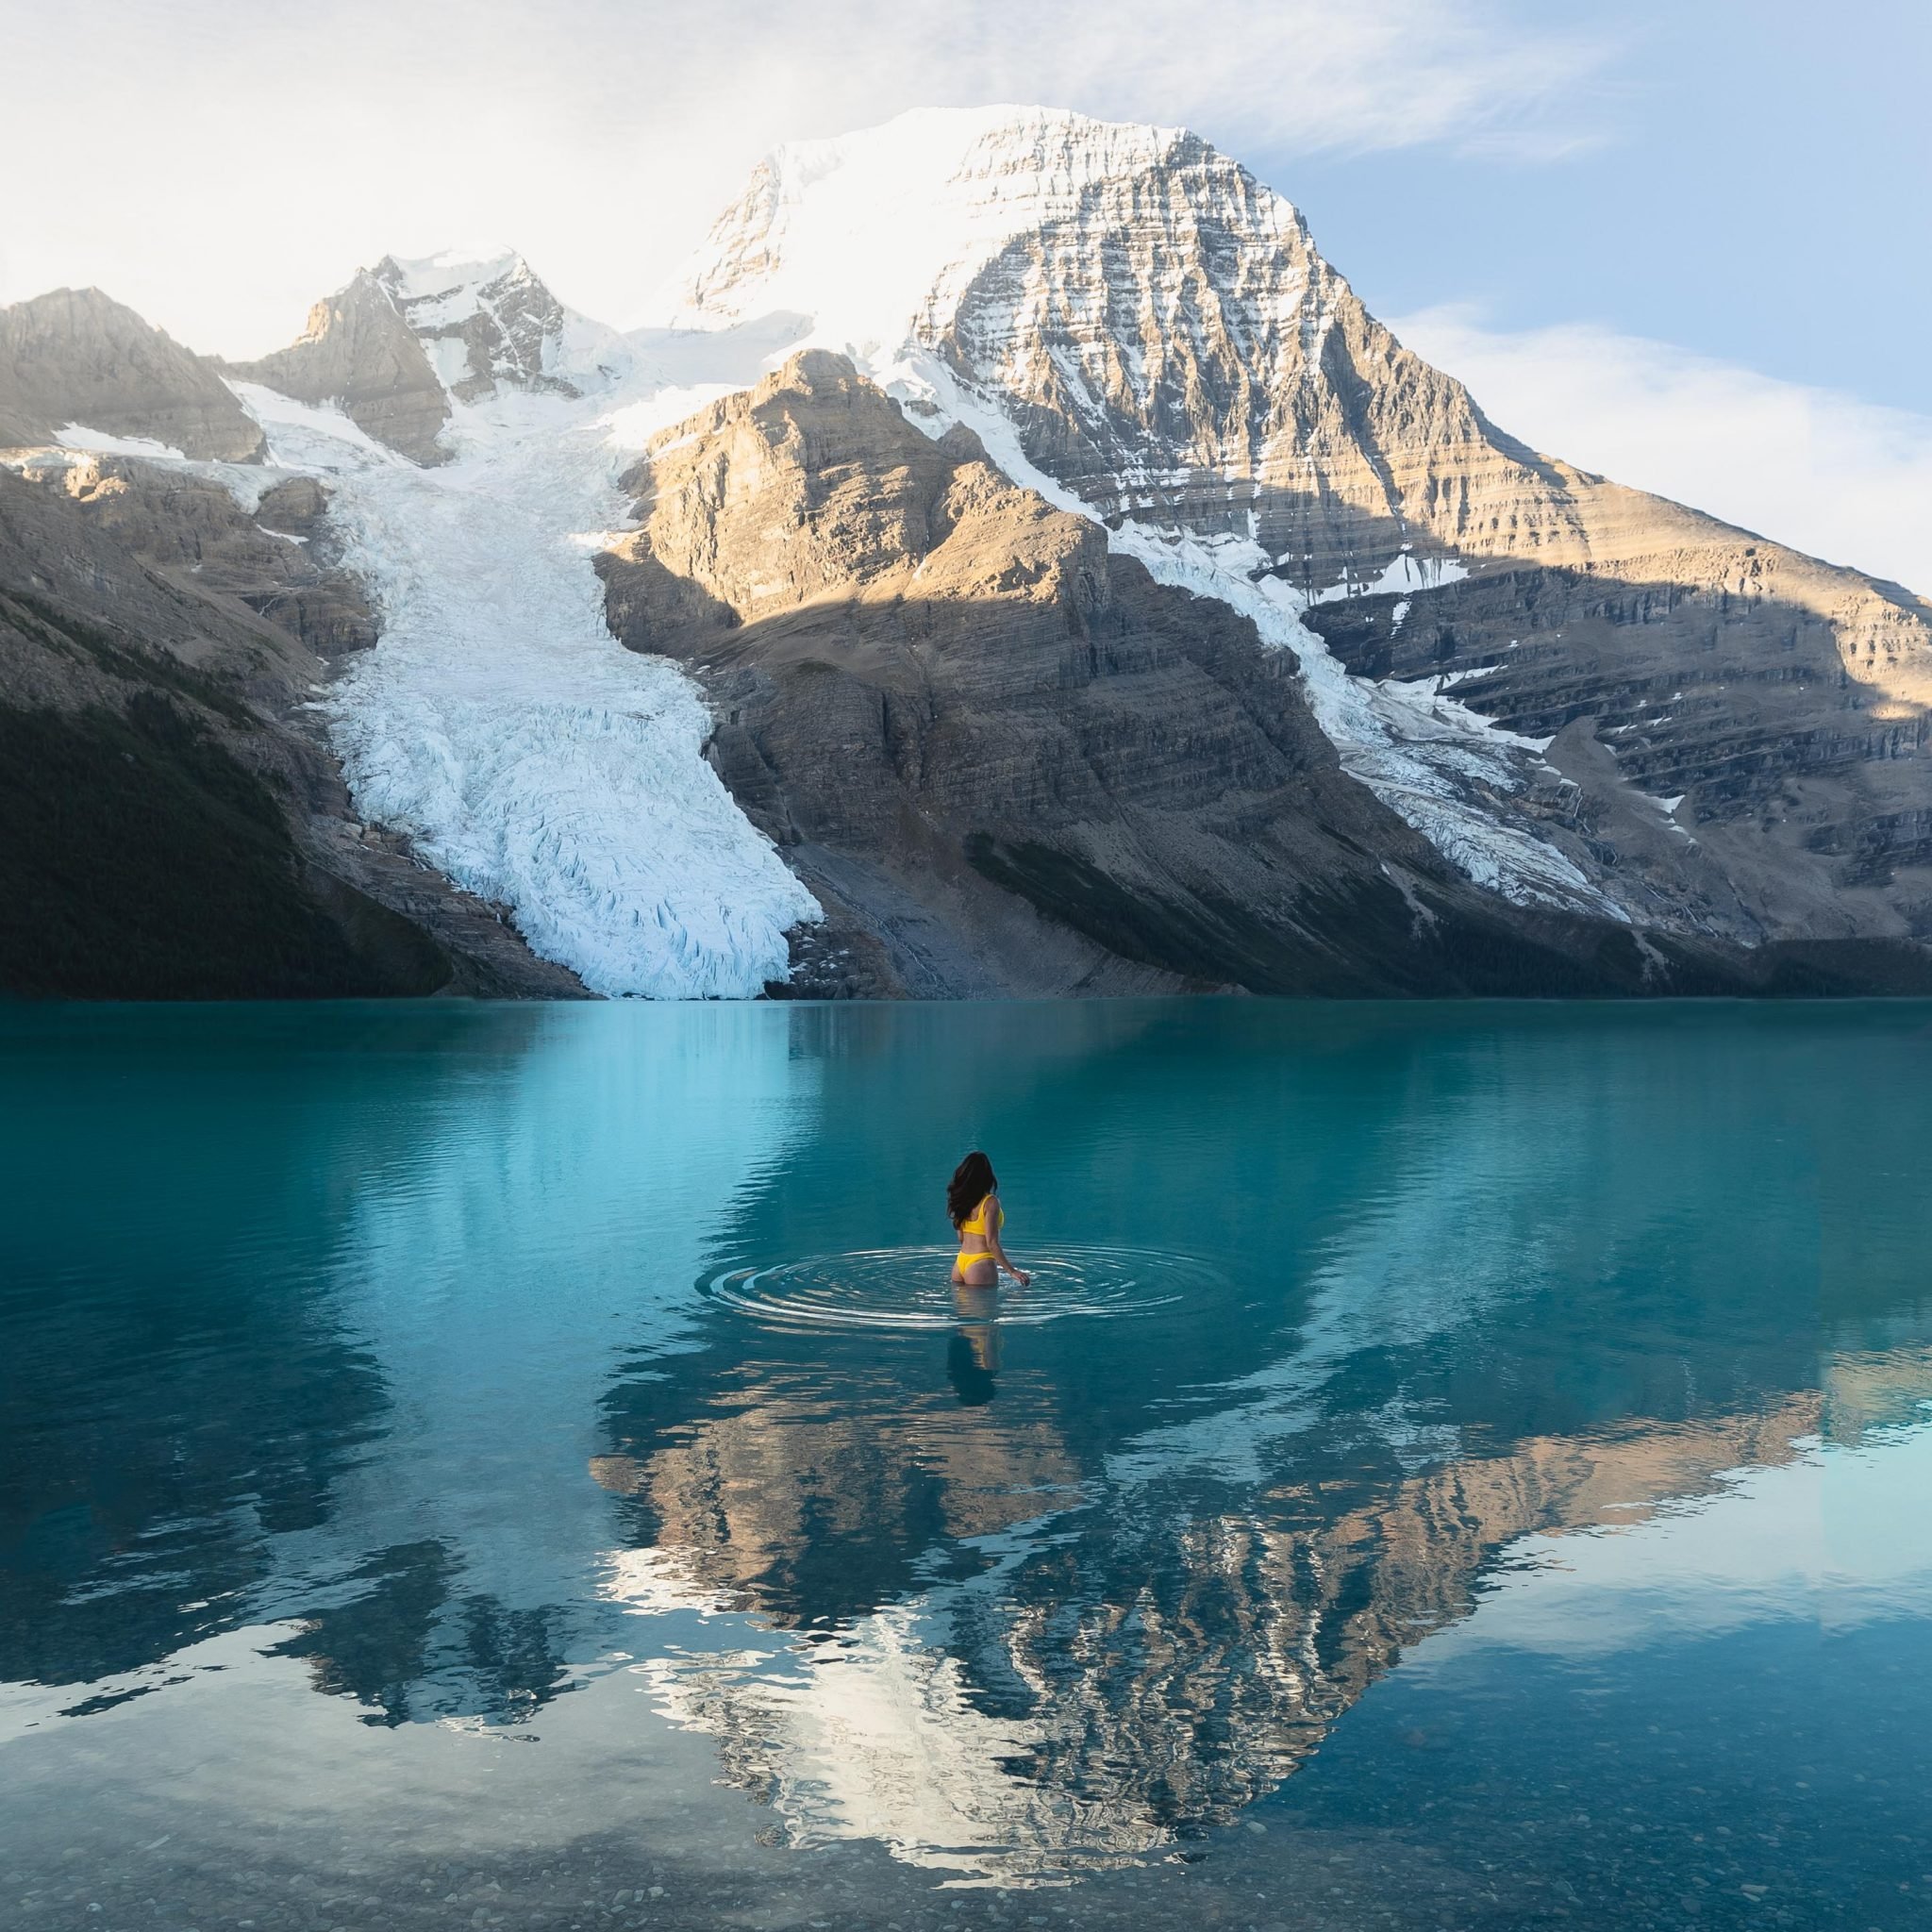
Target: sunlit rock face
column 1128, row 317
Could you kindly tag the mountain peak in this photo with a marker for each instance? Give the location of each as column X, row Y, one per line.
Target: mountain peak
column 414, row 278
column 487, row 321
column 949, row 187
column 405, row 339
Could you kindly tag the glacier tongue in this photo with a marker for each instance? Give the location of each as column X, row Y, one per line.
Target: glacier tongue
column 529, row 756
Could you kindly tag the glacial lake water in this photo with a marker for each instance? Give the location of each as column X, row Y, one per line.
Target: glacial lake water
column 523, row 1466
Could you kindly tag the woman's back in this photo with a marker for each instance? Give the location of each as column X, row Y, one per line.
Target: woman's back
column 977, row 1223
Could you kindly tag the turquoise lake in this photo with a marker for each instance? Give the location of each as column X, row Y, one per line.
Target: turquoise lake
column 524, row 1466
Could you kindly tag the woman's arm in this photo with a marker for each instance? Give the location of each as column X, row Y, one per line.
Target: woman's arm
column 993, row 1246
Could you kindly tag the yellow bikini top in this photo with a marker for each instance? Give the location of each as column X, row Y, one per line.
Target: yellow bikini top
column 975, row 1223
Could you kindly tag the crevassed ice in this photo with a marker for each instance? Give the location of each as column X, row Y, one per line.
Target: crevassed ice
column 528, row 754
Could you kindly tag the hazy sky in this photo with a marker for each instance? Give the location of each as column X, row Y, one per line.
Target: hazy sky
column 1709, row 219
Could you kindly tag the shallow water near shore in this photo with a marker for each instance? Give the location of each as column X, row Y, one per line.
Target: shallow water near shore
column 1456, row 1465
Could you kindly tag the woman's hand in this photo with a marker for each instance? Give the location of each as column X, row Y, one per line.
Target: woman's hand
column 1021, row 1275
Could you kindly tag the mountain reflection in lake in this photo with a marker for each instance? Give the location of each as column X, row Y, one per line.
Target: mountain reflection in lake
column 1461, row 1361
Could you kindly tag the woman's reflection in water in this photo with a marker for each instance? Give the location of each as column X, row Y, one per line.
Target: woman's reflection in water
column 973, row 1354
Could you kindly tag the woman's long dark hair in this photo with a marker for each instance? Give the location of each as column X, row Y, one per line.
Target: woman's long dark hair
column 973, row 1181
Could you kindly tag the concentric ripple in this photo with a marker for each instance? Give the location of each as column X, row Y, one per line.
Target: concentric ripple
column 911, row 1288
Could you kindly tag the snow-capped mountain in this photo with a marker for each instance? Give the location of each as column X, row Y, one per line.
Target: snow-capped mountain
column 1036, row 561
column 1136, row 326
column 491, row 323
column 1160, row 328
column 403, row 341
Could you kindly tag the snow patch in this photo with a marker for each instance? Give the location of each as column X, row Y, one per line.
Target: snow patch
column 101, row 443
column 1404, row 572
column 449, row 355
column 453, row 275
column 247, row 483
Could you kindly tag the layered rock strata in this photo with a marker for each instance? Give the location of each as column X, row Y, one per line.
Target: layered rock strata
column 1004, row 757
column 77, row 357
column 1741, row 730
column 1158, row 326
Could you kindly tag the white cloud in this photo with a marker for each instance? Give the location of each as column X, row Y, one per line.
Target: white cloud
column 1821, row 471
column 218, row 165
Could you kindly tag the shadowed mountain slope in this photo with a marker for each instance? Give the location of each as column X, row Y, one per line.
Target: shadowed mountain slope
column 74, row 356
column 172, row 830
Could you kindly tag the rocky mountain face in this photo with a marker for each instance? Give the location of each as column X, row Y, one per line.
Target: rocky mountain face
column 359, row 353
column 75, row 356
column 1004, row 757
column 1741, row 731
column 493, row 324
column 1738, row 732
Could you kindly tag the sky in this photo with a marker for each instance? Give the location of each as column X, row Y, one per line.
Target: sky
column 1683, row 244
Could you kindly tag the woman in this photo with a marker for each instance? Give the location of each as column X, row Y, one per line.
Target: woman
column 972, row 1204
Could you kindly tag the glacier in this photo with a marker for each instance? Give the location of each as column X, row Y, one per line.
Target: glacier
column 497, row 722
